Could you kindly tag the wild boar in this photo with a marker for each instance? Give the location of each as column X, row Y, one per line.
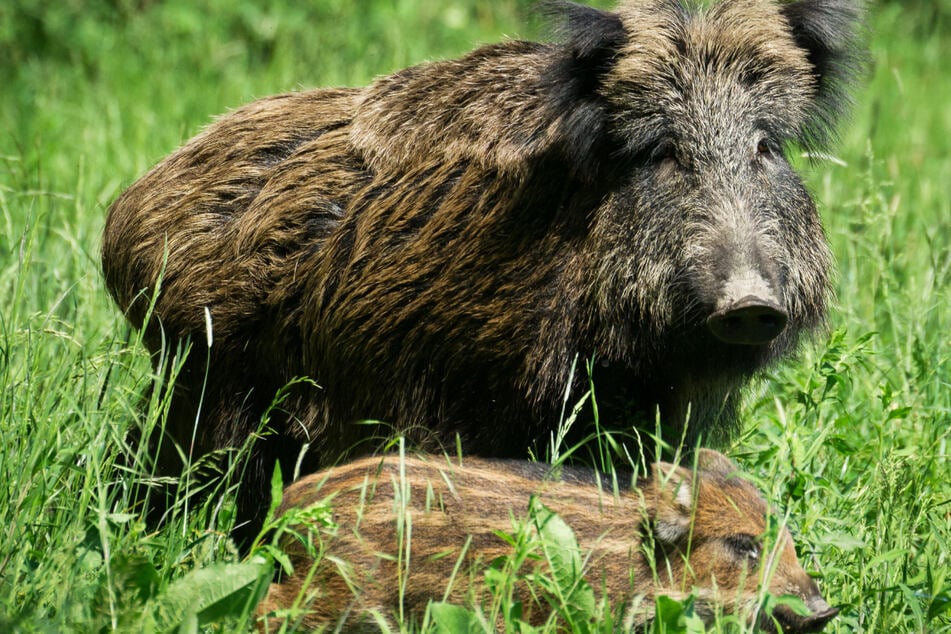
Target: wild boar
column 436, row 250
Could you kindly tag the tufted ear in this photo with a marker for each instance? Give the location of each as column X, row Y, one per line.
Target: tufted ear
column 590, row 35
column 671, row 502
column 588, row 41
column 829, row 32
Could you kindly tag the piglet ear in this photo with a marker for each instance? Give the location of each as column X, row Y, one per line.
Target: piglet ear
column 670, row 502
column 714, row 462
column 829, row 31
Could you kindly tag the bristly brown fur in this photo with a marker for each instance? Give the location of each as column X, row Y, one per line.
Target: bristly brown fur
column 675, row 533
column 435, row 250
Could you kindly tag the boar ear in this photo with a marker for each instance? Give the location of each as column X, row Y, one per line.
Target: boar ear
column 588, row 42
column 590, row 35
column 671, row 502
column 829, row 31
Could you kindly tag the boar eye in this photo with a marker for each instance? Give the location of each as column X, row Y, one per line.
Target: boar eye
column 664, row 151
column 764, row 148
column 745, row 546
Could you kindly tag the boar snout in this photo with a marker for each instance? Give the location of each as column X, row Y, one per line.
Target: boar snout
column 750, row 321
column 792, row 623
column 744, row 292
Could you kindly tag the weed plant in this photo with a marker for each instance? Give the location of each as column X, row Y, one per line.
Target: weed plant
column 850, row 439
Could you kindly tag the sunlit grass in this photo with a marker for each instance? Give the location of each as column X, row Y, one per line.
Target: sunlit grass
column 851, row 437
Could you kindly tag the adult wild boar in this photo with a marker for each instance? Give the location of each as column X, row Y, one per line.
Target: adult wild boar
column 437, row 249
column 415, row 530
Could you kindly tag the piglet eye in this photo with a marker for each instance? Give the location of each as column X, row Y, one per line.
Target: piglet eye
column 745, row 546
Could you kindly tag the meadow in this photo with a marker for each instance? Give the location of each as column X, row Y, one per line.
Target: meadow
column 850, row 438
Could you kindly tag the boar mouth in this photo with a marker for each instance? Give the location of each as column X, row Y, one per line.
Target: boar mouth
column 791, row 623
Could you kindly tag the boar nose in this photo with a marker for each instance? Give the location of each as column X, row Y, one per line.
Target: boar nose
column 821, row 614
column 750, row 321
column 819, row 620
column 792, row 623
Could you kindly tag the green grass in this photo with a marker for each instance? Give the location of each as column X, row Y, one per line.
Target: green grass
column 851, row 437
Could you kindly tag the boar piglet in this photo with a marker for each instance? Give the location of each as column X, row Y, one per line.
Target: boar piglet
column 420, row 529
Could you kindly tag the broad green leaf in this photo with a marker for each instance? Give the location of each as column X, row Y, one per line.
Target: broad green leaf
column 668, row 616
column 558, row 541
column 452, row 619
column 891, row 555
column 212, row 592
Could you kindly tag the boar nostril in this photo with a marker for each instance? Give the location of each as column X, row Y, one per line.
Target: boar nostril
column 750, row 321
